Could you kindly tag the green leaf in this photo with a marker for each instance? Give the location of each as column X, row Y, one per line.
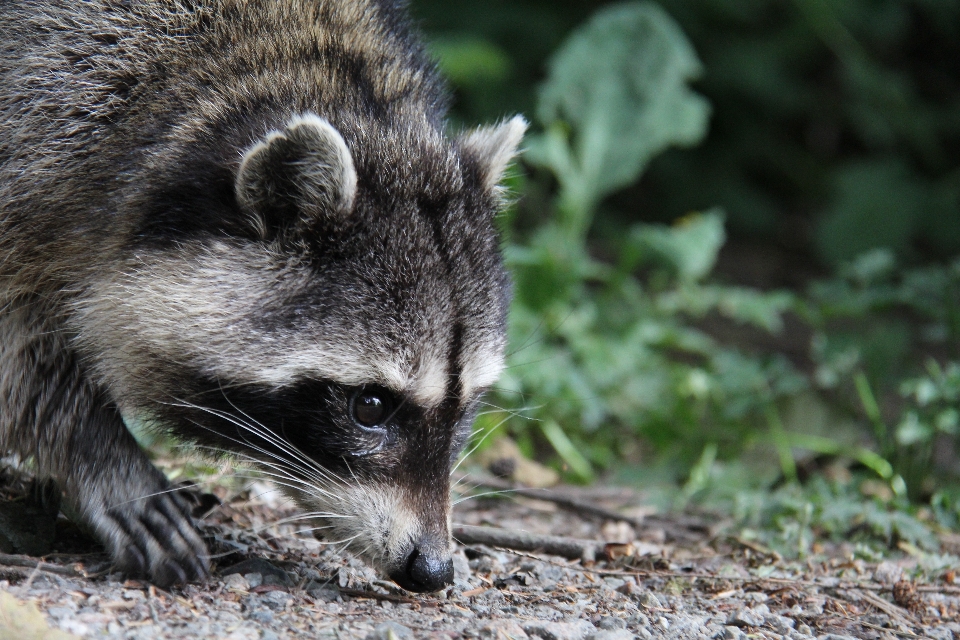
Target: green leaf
column 620, row 82
column 567, row 450
column 690, row 246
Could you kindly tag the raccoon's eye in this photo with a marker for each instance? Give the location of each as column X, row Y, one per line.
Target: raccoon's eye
column 371, row 407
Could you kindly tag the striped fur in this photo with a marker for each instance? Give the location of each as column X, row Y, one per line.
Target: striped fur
column 232, row 219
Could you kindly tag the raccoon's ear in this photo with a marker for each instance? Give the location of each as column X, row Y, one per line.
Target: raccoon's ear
column 296, row 176
column 494, row 148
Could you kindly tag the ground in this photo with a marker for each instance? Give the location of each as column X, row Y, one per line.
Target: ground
column 623, row 573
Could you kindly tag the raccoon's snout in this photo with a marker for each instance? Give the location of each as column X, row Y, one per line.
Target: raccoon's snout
column 425, row 569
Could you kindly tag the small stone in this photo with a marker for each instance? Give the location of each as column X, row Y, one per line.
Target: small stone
column 253, row 579
column 263, row 616
column 611, row 634
column 611, row 623
column 59, row 612
column 888, row 573
column 269, row 573
column 745, row 618
column 730, row 633
column 461, row 569
column 503, row 630
column 575, row 630
column 457, row 612
column 638, row 620
column 390, row 631
column 325, row 591
column 614, row 583
column 779, row 624
column 649, row 601
column 276, row 600
column 236, row 582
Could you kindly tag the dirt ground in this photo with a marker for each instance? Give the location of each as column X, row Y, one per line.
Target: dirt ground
column 597, row 565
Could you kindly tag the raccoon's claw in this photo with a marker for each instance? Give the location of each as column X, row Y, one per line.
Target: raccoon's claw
column 154, row 538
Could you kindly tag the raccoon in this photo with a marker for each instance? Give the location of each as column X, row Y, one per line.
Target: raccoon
column 242, row 222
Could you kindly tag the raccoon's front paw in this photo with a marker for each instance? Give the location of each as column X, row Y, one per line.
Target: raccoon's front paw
column 154, row 538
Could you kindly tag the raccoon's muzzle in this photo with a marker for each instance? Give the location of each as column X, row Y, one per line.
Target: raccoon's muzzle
column 428, row 567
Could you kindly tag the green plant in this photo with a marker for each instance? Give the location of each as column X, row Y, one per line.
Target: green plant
column 616, row 356
column 613, row 331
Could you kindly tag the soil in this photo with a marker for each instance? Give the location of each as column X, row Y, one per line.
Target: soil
column 667, row 576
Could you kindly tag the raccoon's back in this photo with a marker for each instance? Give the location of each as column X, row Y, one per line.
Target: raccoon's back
column 96, row 95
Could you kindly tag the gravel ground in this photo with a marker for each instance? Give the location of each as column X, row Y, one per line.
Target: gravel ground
column 649, row 582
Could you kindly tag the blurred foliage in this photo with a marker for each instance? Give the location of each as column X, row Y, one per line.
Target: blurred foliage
column 835, row 125
column 828, row 131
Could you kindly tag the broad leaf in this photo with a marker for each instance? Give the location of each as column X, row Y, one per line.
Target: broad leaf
column 620, row 83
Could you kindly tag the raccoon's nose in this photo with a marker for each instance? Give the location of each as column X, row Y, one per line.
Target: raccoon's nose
column 425, row 571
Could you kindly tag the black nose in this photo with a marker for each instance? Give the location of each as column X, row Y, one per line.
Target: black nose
column 425, row 571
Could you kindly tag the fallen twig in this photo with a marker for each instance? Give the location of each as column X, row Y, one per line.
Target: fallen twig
column 679, row 528
column 896, row 612
column 876, row 627
column 373, row 595
column 787, row 582
column 11, row 560
column 572, row 548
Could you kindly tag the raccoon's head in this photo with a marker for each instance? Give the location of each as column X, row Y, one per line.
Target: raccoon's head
column 334, row 316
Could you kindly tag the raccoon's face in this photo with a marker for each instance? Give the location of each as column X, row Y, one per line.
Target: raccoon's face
column 336, row 322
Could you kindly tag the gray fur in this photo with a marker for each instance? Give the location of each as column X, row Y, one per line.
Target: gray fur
column 231, row 219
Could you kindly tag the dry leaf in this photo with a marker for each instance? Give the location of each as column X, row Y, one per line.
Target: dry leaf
column 23, row 621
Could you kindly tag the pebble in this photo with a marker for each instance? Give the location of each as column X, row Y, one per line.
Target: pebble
column 502, row 630
column 611, row 634
column 730, row 633
column 236, row 582
column 390, row 631
column 611, row 623
column 581, row 606
column 648, row 600
column 575, row 630
column 264, row 616
column 745, row 618
column 888, row 573
column 276, row 600
column 779, row 624
column 325, row 591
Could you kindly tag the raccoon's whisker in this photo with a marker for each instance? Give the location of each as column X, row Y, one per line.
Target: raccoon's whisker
column 524, row 345
column 284, row 521
column 481, row 495
column 344, row 542
column 309, row 515
column 284, row 479
column 279, row 442
column 279, row 472
column 257, row 428
column 394, row 412
column 462, row 479
column 307, row 471
column 489, row 431
column 148, row 495
column 515, row 412
column 517, row 365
